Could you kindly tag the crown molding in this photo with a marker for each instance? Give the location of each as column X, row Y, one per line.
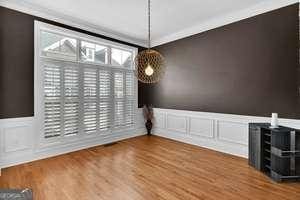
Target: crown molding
column 68, row 20
column 219, row 21
column 212, row 23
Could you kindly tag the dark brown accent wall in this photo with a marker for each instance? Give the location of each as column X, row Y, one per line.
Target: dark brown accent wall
column 249, row 67
column 17, row 62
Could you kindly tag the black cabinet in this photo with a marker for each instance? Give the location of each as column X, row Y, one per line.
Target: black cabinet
column 276, row 152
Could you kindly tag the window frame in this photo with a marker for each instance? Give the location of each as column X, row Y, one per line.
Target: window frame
column 39, row 61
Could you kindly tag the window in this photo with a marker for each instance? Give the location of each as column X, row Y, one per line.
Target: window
column 92, row 52
column 89, row 86
column 58, row 46
column 121, row 58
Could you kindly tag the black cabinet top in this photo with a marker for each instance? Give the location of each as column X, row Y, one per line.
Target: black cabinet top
column 267, row 126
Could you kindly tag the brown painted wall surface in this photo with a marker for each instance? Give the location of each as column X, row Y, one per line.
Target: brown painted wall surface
column 17, row 62
column 249, row 67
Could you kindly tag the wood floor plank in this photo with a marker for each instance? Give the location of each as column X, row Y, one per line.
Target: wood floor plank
column 146, row 168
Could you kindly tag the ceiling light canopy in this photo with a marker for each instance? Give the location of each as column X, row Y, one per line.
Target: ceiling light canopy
column 150, row 66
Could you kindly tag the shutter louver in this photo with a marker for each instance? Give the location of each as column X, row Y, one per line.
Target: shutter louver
column 90, row 100
column 52, row 92
column 104, row 118
column 119, row 114
column 105, row 100
column 71, row 108
column 130, row 103
column 129, row 113
column 119, row 99
column 130, row 85
column 119, row 85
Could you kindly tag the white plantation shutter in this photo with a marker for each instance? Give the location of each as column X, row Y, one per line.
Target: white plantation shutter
column 119, row 85
column 119, row 99
column 124, row 84
column 130, row 85
column 71, row 101
column 129, row 113
column 119, row 114
column 90, row 100
column 129, row 101
column 105, row 100
column 82, row 94
column 52, row 97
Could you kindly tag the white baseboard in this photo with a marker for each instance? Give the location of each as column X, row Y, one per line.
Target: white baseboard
column 221, row 132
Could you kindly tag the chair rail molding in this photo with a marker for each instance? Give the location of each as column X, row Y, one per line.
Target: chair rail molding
column 226, row 133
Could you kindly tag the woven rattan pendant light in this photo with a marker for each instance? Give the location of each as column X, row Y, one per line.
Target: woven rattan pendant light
column 150, row 66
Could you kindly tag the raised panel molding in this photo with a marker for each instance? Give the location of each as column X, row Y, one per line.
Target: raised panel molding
column 177, row 123
column 233, row 132
column 226, row 133
column 17, row 138
column 16, row 135
column 159, row 120
column 201, row 127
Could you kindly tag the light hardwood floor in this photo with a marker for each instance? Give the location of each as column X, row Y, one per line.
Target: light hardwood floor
column 146, row 168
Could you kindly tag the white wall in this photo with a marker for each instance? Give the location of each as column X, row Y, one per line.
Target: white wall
column 221, row 132
column 19, row 141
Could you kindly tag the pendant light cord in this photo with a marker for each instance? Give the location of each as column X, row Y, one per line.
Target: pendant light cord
column 149, row 18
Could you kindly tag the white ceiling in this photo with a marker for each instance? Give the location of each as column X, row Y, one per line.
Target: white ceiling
column 127, row 19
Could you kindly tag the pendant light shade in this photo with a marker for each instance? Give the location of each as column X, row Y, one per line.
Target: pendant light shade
column 150, row 66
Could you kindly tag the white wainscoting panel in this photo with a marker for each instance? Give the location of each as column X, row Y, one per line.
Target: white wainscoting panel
column 201, row 127
column 16, row 135
column 177, row 123
column 159, row 120
column 234, row 132
column 19, row 140
column 221, row 132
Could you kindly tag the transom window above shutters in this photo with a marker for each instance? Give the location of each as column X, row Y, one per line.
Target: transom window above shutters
column 89, row 86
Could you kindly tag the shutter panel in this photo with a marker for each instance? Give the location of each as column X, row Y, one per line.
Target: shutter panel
column 119, row 113
column 105, row 100
column 90, row 100
column 129, row 113
column 104, row 118
column 130, row 85
column 130, row 103
column 71, row 106
column 119, row 99
column 52, row 98
column 119, row 85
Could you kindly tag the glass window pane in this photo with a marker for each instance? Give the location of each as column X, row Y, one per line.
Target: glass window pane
column 121, row 58
column 58, row 46
column 91, row 52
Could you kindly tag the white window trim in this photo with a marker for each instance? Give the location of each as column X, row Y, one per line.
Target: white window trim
column 39, row 89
